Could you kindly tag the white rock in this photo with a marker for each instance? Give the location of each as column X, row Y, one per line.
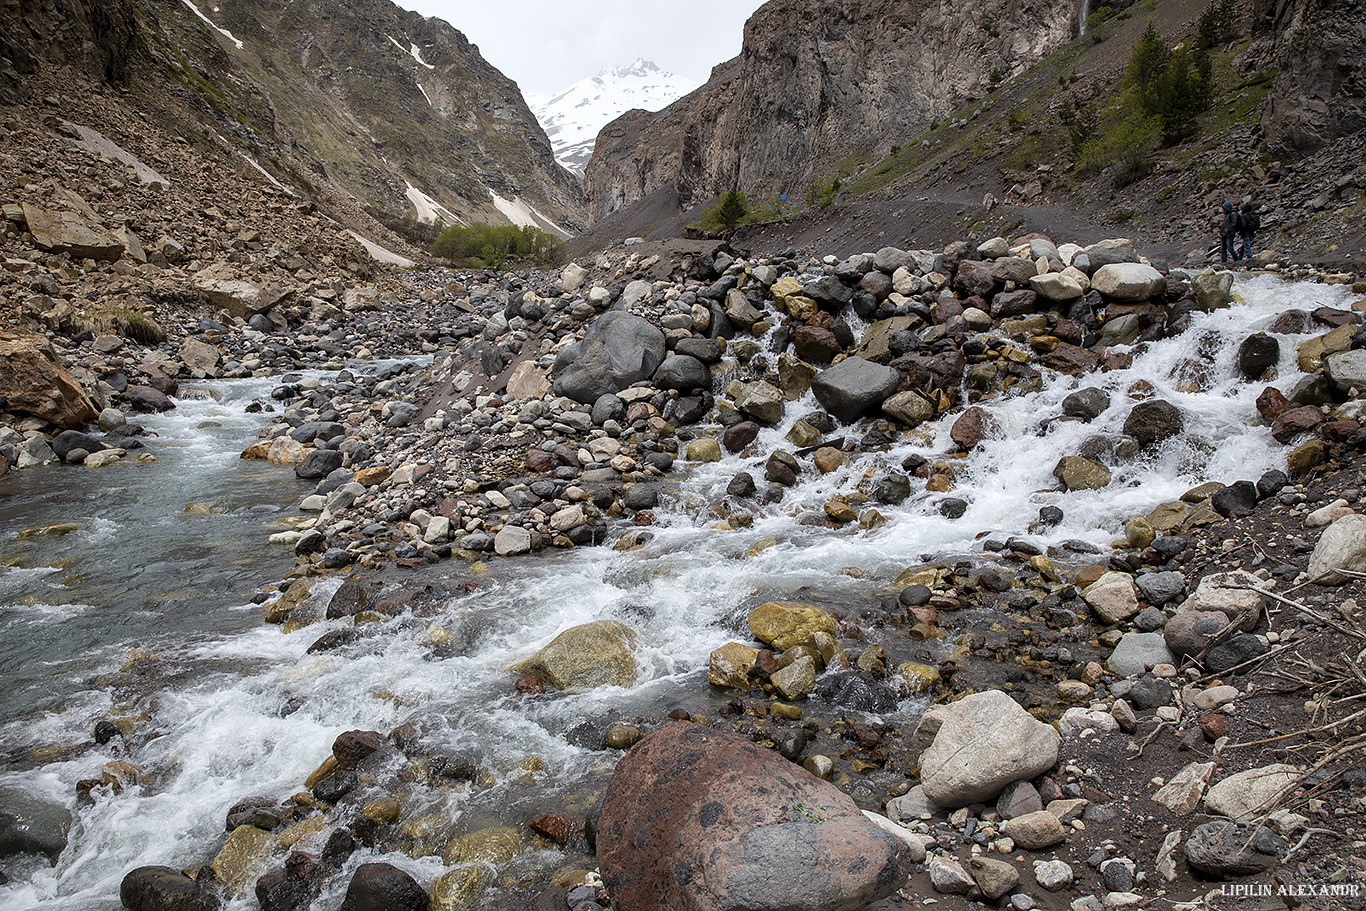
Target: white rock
column 916, row 846
column 1128, row 281
column 948, row 876
column 1112, row 597
column 1076, row 720
column 1213, row 698
column 1056, row 287
column 1226, row 592
column 1251, row 794
column 1341, row 546
column 1182, row 794
column 512, row 541
column 984, row 742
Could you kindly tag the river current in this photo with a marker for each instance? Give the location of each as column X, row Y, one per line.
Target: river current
column 158, row 579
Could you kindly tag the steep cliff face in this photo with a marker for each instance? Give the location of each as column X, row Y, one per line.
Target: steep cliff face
column 352, row 97
column 1319, row 50
column 816, row 82
column 95, row 37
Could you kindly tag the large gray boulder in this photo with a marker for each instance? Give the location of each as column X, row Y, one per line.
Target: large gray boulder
column 985, row 741
column 618, row 350
column 1129, row 281
column 1347, row 370
column 1109, row 252
column 1138, row 651
column 695, row 819
column 854, row 388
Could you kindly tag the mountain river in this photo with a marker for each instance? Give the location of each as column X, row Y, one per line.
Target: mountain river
column 145, row 611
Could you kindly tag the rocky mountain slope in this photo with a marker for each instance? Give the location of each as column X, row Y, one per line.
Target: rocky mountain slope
column 814, row 83
column 1284, row 131
column 357, row 98
column 573, row 116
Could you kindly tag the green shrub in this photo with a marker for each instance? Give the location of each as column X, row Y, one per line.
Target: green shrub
column 730, row 210
column 481, row 245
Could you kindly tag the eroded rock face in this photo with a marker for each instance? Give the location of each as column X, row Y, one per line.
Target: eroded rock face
column 813, row 82
column 35, row 382
column 1318, row 55
column 695, row 820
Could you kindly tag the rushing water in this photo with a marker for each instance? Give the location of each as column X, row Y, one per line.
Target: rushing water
column 145, row 612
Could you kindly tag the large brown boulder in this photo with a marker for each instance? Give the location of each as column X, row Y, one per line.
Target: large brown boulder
column 696, row 820
column 68, row 232
column 33, row 381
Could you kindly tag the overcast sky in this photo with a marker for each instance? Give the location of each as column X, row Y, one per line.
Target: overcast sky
column 546, row 45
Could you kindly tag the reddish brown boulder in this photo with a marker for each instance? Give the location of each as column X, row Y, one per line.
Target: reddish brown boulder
column 972, row 427
column 1071, row 360
column 1294, row 421
column 1270, row 403
column 816, row 344
column 33, row 381
column 696, row 820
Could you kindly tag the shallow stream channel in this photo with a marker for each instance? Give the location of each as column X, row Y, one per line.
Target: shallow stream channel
column 144, row 612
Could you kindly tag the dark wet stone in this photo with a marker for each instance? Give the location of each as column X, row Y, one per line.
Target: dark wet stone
column 1257, row 354
column 1050, row 516
column 384, row 887
column 915, row 596
column 350, row 599
column 336, row 786
column 858, row 691
column 892, row 490
column 1087, row 404
column 641, row 496
column 741, row 486
column 1236, row 500
column 953, row 507
column 1271, row 483
column 106, row 731
column 164, row 889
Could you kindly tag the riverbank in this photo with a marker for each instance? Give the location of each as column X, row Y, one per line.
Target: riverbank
column 929, row 530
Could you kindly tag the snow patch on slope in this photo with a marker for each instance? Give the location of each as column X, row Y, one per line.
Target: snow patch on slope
column 428, row 209
column 573, row 117
column 222, row 31
column 523, row 214
column 380, row 253
column 411, row 50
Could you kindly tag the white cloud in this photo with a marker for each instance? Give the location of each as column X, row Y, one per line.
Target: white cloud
column 545, row 45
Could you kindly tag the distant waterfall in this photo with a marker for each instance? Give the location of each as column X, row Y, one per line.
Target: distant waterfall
column 1085, row 12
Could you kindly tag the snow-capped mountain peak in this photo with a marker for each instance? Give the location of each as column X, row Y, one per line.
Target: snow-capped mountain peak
column 573, row 116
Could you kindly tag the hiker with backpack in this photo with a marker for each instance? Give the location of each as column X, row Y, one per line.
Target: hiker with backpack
column 1248, row 224
column 1228, row 233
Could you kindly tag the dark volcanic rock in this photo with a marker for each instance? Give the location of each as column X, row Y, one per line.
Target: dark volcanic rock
column 164, row 889
column 1225, row 848
column 854, row 388
column 1153, row 422
column 383, row 887
column 858, row 691
column 698, row 819
column 616, row 351
column 1257, row 354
